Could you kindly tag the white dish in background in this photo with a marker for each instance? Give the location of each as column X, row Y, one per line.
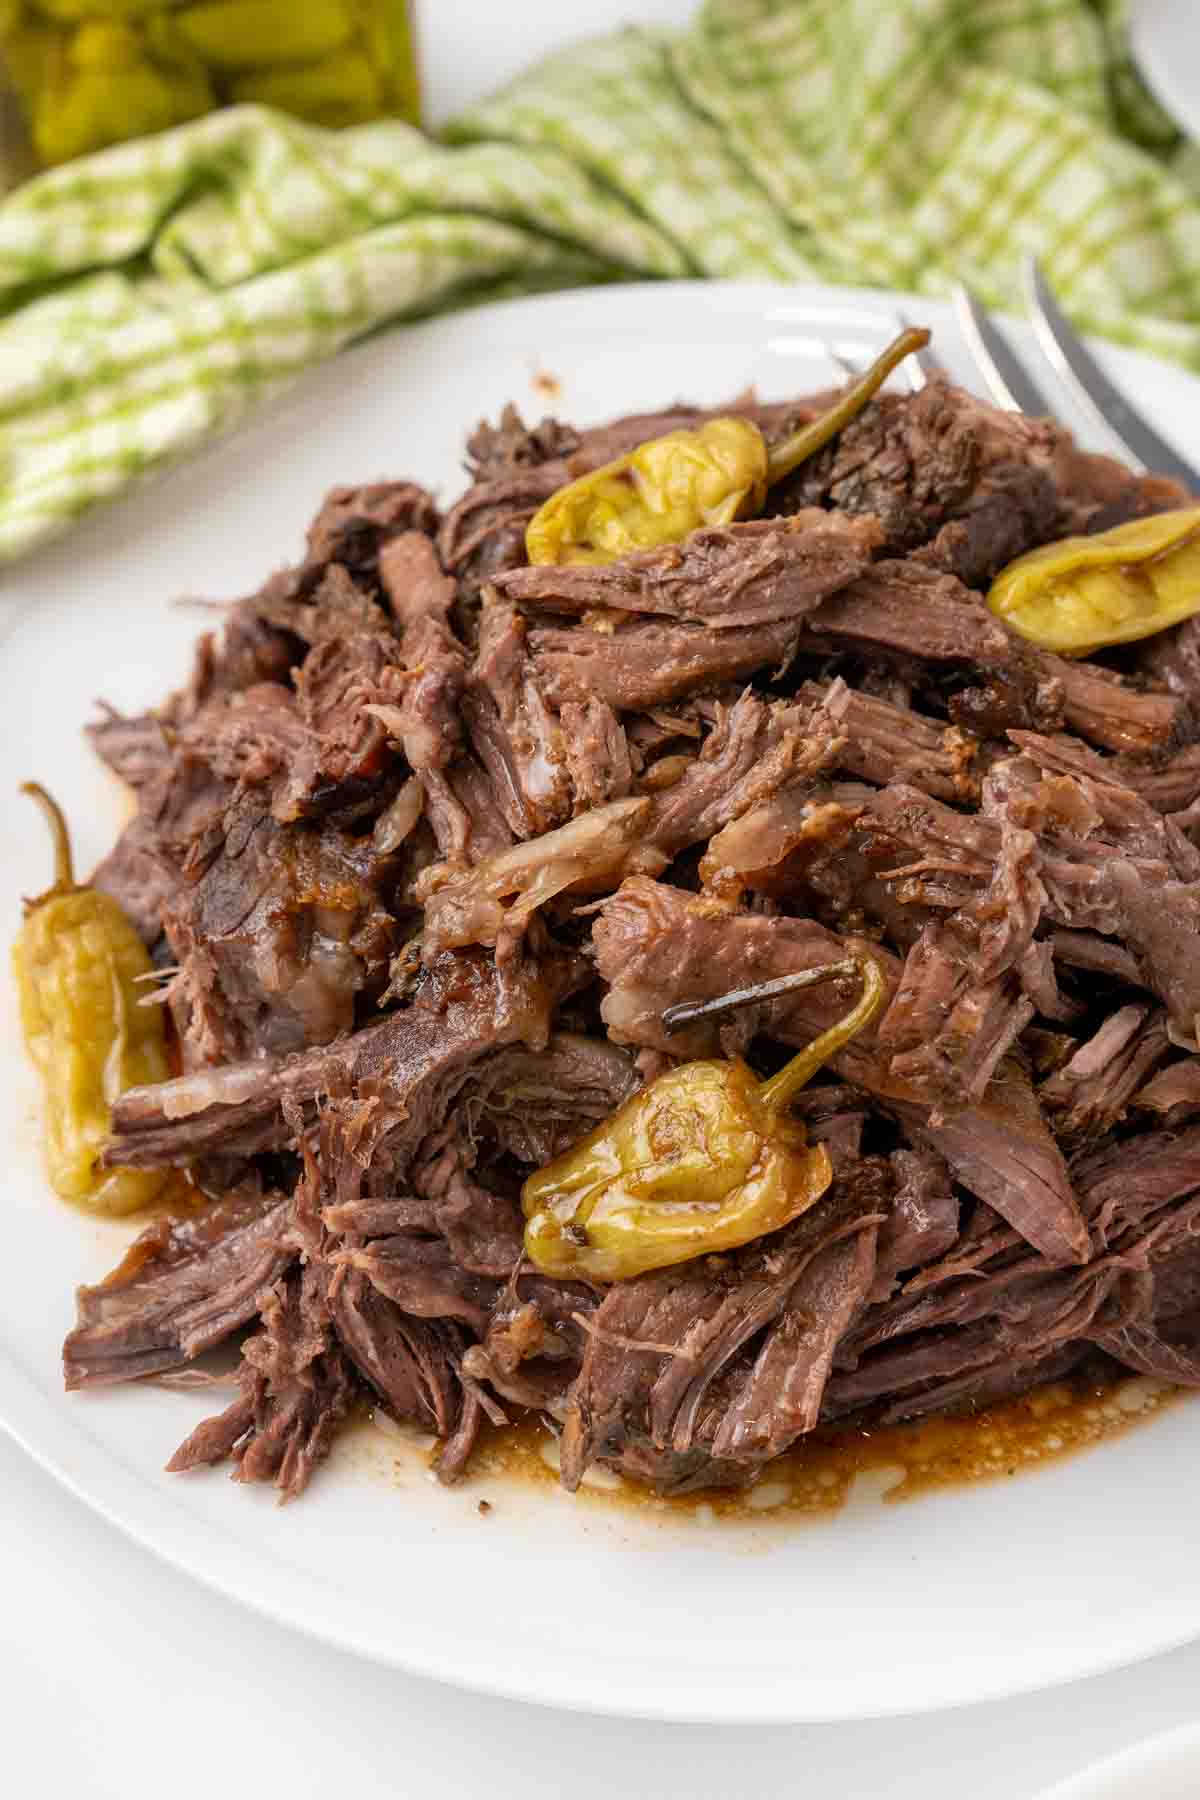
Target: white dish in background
column 1165, row 38
column 960, row 1596
column 1163, row 1768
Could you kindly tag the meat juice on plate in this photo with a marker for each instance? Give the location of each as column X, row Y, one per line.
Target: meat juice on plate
column 831, row 1469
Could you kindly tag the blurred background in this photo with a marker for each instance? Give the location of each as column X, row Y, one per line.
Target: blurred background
column 264, row 181
column 80, row 74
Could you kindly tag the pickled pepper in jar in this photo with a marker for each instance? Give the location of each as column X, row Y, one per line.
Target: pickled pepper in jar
column 80, row 968
column 108, row 80
column 89, row 73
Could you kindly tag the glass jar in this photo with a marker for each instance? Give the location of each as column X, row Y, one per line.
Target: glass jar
column 86, row 73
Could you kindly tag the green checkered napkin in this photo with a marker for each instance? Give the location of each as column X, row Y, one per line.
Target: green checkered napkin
column 151, row 295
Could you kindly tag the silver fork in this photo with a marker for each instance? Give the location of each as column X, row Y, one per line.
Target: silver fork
column 1013, row 388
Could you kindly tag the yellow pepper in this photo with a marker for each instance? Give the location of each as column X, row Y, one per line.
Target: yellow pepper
column 259, row 34
column 1086, row 592
column 344, row 89
column 662, row 490
column 75, row 12
column 29, row 50
column 653, row 495
column 704, row 1159
column 106, row 84
column 385, row 31
column 94, row 72
column 79, row 965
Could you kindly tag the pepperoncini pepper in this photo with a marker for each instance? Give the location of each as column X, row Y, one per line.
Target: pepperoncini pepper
column 338, row 90
column 93, row 72
column 111, row 80
column 74, row 12
column 662, row 490
column 1084, row 593
column 78, row 962
column 704, row 1159
column 258, row 34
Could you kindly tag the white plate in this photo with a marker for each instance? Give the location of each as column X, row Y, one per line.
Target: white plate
column 1165, row 38
column 962, row 1596
column 1163, row 1768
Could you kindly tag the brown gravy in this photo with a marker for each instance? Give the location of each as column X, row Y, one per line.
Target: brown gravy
column 892, row 1462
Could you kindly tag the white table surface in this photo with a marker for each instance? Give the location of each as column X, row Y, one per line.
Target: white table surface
column 116, row 1672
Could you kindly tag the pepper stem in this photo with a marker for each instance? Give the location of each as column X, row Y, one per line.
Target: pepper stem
column 688, row 1011
column 783, row 1087
column 64, row 872
column 788, row 455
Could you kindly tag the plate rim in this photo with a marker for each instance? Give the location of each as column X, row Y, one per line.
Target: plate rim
column 132, row 1505
column 1140, row 1758
column 231, row 1574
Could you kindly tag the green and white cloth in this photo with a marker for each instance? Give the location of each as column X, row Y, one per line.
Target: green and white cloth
column 151, row 295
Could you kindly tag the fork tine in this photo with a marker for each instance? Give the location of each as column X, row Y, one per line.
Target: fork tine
column 846, row 369
column 1008, row 382
column 1079, row 371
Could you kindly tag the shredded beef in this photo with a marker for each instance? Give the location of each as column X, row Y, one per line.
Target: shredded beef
column 739, row 575
column 1174, row 1093
column 911, row 461
column 135, row 749
column 296, row 1386
column 1092, row 1090
column 354, row 523
column 138, row 878
column 657, row 1345
column 182, row 1289
column 645, row 663
column 275, row 940
column 884, row 742
column 916, row 610
column 431, row 839
column 922, row 1223
column 483, row 536
column 516, row 737
column 344, row 751
column 412, row 1063
column 1014, row 507
column 1109, row 711
column 492, row 449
